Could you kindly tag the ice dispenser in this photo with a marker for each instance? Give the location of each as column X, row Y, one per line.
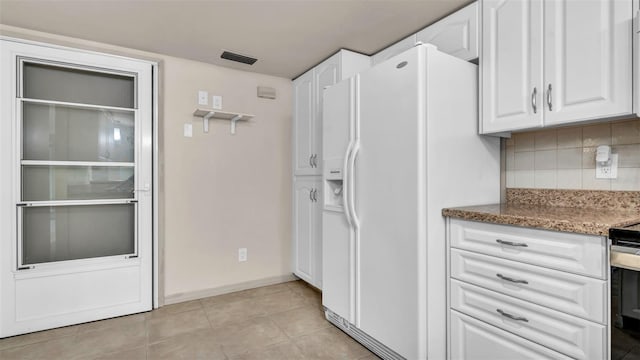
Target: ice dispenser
column 332, row 176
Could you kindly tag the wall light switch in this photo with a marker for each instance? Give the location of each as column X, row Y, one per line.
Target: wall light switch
column 203, row 97
column 242, row 254
column 188, row 130
column 216, row 102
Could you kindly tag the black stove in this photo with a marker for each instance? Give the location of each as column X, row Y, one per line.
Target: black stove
column 625, row 292
column 627, row 236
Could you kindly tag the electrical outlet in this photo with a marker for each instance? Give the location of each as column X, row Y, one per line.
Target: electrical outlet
column 216, row 102
column 203, row 97
column 242, row 254
column 609, row 171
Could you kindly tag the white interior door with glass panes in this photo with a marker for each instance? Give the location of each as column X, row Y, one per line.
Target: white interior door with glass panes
column 75, row 187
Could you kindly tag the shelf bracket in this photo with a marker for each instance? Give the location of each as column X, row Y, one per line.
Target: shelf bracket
column 233, row 123
column 205, row 121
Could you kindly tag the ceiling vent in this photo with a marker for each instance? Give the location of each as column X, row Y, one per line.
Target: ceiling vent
column 238, row 58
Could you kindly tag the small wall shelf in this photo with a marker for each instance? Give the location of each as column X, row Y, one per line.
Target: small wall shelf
column 207, row 114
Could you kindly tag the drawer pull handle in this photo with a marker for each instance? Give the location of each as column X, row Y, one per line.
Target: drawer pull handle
column 511, row 243
column 506, row 278
column 507, row 315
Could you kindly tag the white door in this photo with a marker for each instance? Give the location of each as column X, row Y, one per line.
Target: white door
column 325, row 75
column 588, row 62
column 76, row 241
column 303, row 125
column 389, row 180
column 457, row 34
column 511, row 66
column 304, row 224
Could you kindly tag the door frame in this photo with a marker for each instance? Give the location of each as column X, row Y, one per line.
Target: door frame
column 6, row 222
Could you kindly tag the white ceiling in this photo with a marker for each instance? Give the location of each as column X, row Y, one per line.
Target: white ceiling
column 287, row 37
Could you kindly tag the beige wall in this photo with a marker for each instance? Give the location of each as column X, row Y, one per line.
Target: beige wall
column 225, row 191
column 564, row 158
column 219, row 191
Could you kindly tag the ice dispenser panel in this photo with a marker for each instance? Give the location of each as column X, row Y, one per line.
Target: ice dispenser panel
column 332, row 175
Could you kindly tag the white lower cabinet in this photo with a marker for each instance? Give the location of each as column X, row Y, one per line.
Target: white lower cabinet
column 474, row 339
column 520, row 293
column 307, row 229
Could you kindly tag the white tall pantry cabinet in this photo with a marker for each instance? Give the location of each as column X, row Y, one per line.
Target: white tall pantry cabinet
column 307, row 159
column 547, row 63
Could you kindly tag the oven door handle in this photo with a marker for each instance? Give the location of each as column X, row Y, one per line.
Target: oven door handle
column 625, row 259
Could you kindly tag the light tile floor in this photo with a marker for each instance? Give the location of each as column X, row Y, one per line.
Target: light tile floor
column 283, row 321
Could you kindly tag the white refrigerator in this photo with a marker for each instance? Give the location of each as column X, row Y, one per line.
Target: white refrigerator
column 400, row 143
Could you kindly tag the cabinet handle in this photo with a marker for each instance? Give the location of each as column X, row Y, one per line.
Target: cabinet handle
column 506, row 278
column 315, row 163
column 511, row 243
column 534, row 100
column 311, row 160
column 507, row 315
column 549, row 101
column 315, row 195
column 311, row 195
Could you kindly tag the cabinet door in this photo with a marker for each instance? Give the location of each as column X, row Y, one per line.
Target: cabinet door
column 325, row 74
column 393, row 50
column 471, row 339
column 457, row 34
column 304, row 223
column 588, row 64
column 303, row 124
column 636, row 56
column 511, row 66
column 316, row 216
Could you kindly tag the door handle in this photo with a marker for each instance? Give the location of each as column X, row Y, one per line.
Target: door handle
column 517, row 281
column 549, row 100
column 502, row 242
column 352, row 206
column 512, row 317
column 345, row 184
column 534, row 96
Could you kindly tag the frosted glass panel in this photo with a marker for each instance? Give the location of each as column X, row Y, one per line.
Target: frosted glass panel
column 63, row 133
column 45, row 183
column 56, row 83
column 76, row 232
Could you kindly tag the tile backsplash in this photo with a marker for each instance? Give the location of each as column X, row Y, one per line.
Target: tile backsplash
column 564, row 158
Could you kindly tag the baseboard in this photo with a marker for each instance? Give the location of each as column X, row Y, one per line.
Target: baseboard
column 199, row 294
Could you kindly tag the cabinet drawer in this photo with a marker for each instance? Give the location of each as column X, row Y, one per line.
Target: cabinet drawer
column 576, row 253
column 572, row 336
column 472, row 339
column 573, row 294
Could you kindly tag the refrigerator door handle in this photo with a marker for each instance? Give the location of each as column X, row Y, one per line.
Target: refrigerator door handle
column 345, row 184
column 352, row 206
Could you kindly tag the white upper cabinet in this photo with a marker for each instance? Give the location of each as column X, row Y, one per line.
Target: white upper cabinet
column 303, row 113
column 307, row 107
column 636, row 57
column 588, row 63
column 325, row 75
column 393, row 50
column 457, row 34
column 547, row 63
column 511, row 65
